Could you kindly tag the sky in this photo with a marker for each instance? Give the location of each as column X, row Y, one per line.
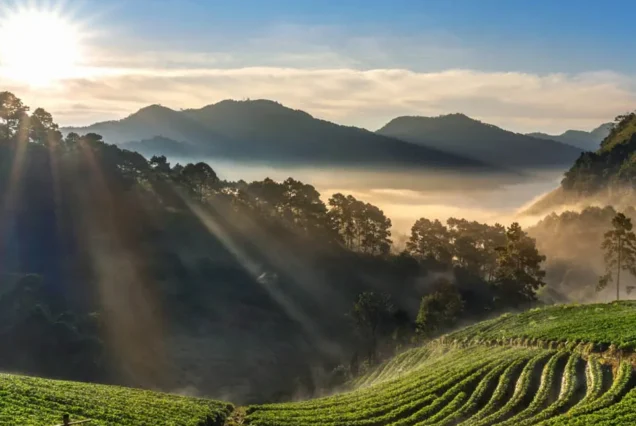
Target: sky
column 539, row 65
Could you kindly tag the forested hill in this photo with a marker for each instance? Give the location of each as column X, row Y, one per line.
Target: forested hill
column 267, row 131
column 605, row 176
column 117, row 269
column 462, row 135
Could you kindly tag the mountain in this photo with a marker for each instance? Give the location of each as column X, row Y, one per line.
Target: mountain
column 606, row 176
column 462, row 135
column 587, row 141
column 148, row 122
column 166, row 146
column 267, row 131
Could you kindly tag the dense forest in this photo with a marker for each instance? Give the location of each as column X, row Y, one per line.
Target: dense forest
column 119, row 269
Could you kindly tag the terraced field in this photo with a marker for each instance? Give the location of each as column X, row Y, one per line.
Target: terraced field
column 555, row 366
column 27, row 401
column 562, row 365
column 599, row 324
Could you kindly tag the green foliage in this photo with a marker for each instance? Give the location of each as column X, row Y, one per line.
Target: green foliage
column 474, row 245
column 479, row 383
column 519, row 273
column 541, row 397
column 607, row 408
column 520, row 391
column 469, row 245
column 611, row 167
column 569, row 385
column 440, row 309
column 361, row 226
column 430, row 239
column 562, row 323
column 34, row 401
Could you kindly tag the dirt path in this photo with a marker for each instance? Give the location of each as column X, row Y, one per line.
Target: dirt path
column 237, row 417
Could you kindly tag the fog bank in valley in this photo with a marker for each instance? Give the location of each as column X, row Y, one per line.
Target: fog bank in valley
column 406, row 196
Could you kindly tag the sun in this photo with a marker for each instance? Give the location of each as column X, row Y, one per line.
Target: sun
column 38, row 45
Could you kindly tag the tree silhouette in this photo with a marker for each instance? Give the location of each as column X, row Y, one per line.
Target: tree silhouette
column 474, row 245
column 430, row 239
column 518, row 274
column 42, row 128
column 439, row 309
column 160, row 164
column 619, row 245
column 370, row 313
column 200, row 179
column 362, row 226
column 12, row 113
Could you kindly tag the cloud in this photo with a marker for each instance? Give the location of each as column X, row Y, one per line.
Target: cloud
column 367, row 98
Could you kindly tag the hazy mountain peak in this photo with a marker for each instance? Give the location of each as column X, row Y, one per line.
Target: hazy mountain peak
column 462, row 135
column 152, row 110
column 248, row 106
column 588, row 141
column 444, row 121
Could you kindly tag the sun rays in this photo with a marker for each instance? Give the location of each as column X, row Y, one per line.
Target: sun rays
column 41, row 43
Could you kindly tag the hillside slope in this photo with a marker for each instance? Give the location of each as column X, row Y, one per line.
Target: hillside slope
column 34, row 401
column 555, row 366
column 587, row 141
column 266, row 131
column 560, row 365
column 606, row 176
column 459, row 134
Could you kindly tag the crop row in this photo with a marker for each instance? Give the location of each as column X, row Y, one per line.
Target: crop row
column 477, row 398
column 582, row 413
column 476, row 386
column 599, row 324
column 354, row 396
column 395, row 404
column 381, row 395
column 521, row 388
column 437, row 386
column 400, row 364
column 506, row 382
column 569, row 383
column 548, row 378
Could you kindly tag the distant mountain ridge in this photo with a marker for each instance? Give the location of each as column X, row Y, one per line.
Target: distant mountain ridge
column 263, row 130
column 605, row 176
column 587, row 141
column 459, row 134
column 266, row 131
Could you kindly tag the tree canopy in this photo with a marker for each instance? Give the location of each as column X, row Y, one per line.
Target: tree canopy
column 619, row 246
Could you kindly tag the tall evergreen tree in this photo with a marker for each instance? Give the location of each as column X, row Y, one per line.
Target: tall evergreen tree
column 619, row 245
column 518, row 274
column 430, row 239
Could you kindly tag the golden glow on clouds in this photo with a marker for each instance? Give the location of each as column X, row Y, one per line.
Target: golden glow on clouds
column 40, row 45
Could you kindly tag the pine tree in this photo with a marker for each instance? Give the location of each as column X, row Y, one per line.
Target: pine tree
column 619, row 245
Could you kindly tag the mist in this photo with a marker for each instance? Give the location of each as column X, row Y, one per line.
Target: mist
column 574, row 258
column 407, row 195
